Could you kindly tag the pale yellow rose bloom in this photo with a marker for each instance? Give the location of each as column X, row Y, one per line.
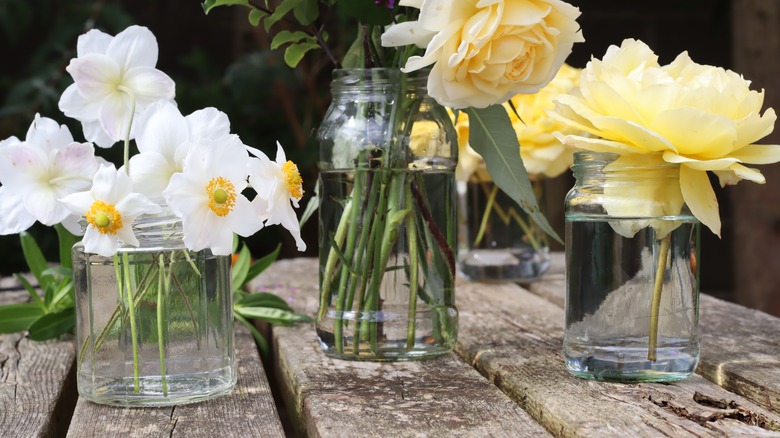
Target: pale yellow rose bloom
column 486, row 51
column 701, row 117
column 542, row 153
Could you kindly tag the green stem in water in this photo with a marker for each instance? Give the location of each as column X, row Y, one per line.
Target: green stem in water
column 330, row 265
column 413, row 272
column 133, row 329
column 663, row 256
column 486, row 215
column 162, row 292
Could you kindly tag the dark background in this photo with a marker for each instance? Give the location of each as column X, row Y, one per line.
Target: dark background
column 220, row 60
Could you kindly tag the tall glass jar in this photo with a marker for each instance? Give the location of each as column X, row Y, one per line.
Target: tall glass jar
column 154, row 324
column 500, row 241
column 387, row 219
column 632, row 277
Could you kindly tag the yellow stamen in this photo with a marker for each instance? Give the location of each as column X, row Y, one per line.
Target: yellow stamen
column 293, row 179
column 104, row 217
column 222, row 196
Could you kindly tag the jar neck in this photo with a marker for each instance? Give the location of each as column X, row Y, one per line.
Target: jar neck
column 385, row 81
column 599, row 169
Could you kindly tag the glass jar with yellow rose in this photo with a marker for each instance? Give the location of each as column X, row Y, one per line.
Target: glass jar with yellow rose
column 498, row 240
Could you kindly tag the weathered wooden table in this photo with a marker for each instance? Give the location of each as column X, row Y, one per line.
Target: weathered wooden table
column 505, row 379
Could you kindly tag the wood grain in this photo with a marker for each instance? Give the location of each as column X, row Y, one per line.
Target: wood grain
column 336, row 398
column 514, row 338
column 249, row 411
column 740, row 347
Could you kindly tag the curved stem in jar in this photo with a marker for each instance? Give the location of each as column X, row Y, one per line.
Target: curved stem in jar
column 663, row 255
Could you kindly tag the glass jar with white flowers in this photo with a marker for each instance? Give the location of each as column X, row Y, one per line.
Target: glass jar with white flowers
column 632, row 219
column 152, row 274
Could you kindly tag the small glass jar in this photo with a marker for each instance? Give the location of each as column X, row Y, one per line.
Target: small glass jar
column 154, row 324
column 387, row 216
column 632, row 277
column 500, row 241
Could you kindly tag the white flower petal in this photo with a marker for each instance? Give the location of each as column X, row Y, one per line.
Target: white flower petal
column 134, row 46
column 135, row 204
column 149, row 85
column 94, row 41
column 98, row 243
column 72, row 223
column 162, row 129
column 221, row 241
column 208, row 122
column 243, row 220
column 47, row 134
column 408, row 32
column 43, row 205
column 78, row 203
column 96, row 76
column 125, row 234
column 115, row 115
column 150, row 173
column 94, row 132
column 14, row 218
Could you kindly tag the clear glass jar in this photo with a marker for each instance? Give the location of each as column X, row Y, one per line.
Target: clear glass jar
column 500, row 241
column 154, row 324
column 387, row 219
column 632, row 277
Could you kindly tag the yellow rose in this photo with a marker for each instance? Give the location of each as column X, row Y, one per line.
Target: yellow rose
column 698, row 116
column 542, row 153
column 486, row 51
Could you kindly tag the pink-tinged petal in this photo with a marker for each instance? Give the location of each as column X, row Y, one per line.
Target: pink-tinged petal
column 75, row 162
column 149, row 85
column 78, row 203
column 208, row 122
column 150, row 173
column 22, row 166
column 135, row 46
column 94, row 132
column 136, row 204
column 14, row 218
column 161, row 129
column 94, row 41
column 115, row 115
column 700, row 197
column 96, row 76
column 98, row 243
column 243, row 220
column 47, row 134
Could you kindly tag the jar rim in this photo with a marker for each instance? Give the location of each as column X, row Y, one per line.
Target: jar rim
column 372, row 78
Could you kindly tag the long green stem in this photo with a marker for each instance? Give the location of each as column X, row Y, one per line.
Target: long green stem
column 330, row 265
column 486, row 215
column 133, row 328
column 161, row 294
column 413, row 272
column 663, row 255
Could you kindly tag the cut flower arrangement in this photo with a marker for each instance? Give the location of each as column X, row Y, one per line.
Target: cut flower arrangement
column 153, row 269
column 388, row 151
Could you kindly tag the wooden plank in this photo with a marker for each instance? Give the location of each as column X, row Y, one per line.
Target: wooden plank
column 249, row 411
column 335, row 398
column 514, row 338
column 37, row 382
column 740, row 347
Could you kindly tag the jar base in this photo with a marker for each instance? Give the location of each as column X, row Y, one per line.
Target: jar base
column 182, row 389
column 506, row 264
column 630, row 364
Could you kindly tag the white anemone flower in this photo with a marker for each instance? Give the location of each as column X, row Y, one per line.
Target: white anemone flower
column 206, row 195
column 110, row 208
column 115, row 79
column 165, row 137
column 278, row 184
column 35, row 173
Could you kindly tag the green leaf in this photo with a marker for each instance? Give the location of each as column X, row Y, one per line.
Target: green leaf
column 294, row 53
column 287, row 36
column 208, row 5
column 279, row 13
column 492, row 136
column 66, row 241
column 60, row 294
column 31, row 290
column 236, row 241
column 34, row 257
column 261, row 265
column 241, row 267
column 311, row 206
column 261, row 342
column 274, row 316
column 255, row 15
column 17, row 317
column 263, row 299
column 58, row 272
column 367, row 12
column 307, row 11
column 53, row 325
column 356, row 55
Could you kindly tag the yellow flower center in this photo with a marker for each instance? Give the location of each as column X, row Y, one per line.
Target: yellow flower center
column 293, row 179
column 222, row 196
column 104, row 217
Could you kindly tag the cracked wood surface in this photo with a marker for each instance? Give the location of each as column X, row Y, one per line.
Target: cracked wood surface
column 740, row 347
column 249, row 411
column 37, row 382
column 335, row 398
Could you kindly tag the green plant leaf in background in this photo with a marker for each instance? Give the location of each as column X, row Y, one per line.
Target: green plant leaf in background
column 17, row 317
column 208, row 5
column 287, row 36
column 255, row 15
column 241, row 267
column 261, row 265
column 492, row 136
column 53, row 325
column 34, row 257
column 307, row 11
column 295, row 52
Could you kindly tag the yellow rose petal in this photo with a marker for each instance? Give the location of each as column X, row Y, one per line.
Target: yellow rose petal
column 700, row 197
column 758, row 154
